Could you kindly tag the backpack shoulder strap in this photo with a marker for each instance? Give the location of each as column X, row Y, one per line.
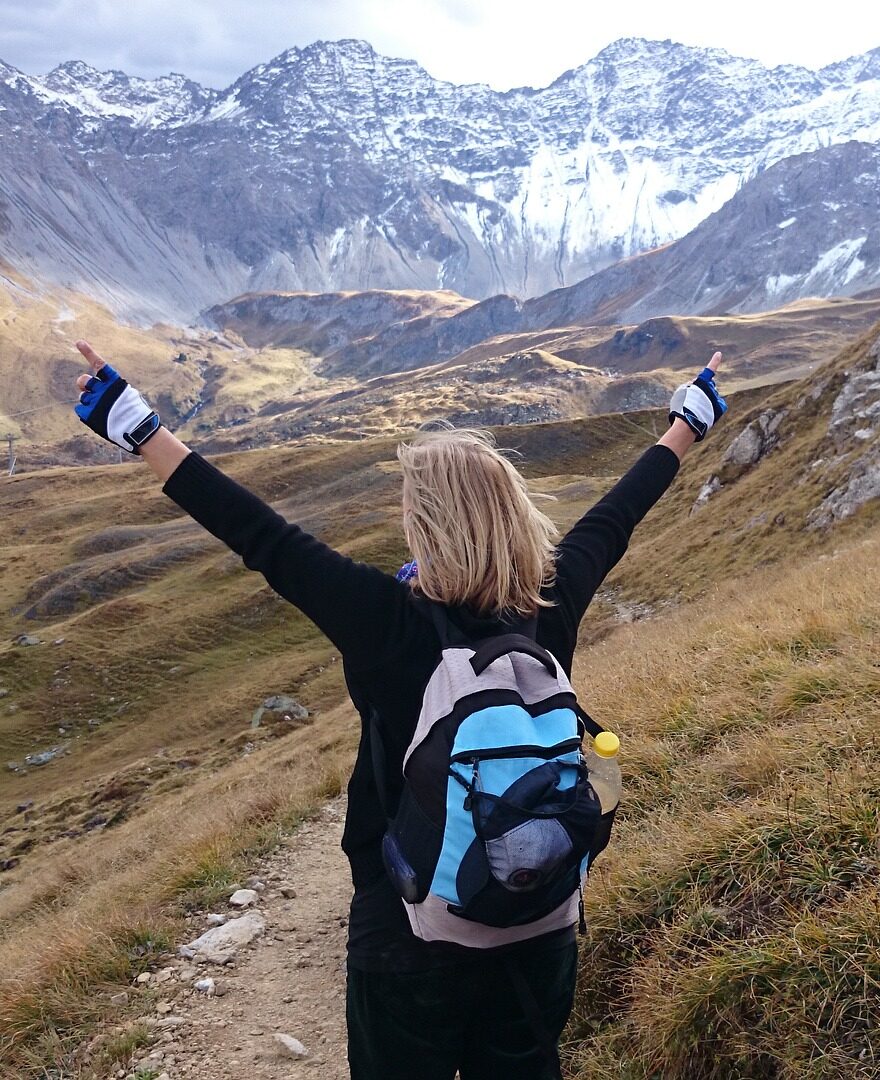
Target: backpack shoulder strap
column 450, row 635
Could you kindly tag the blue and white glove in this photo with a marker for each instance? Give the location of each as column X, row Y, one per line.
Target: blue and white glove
column 116, row 411
column 698, row 403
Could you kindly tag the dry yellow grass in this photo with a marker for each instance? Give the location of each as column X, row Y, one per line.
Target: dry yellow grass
column 734, row 919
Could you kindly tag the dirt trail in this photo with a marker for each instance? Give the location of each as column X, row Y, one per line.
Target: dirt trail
column 290, row 980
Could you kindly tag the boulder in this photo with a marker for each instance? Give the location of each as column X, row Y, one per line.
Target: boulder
column 244, row 897
column 220, row 944
column 755, row 441
column 44, row 756
column 26, row 639
column 280, row 707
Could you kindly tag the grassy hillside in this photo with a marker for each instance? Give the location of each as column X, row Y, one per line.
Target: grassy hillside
column 260, row 383
column 745, row 843
column 734, row 920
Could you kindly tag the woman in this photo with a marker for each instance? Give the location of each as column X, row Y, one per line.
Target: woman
column 420, row 1009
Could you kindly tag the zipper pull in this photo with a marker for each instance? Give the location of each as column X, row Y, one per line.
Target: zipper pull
column 582, row 922
column 468, row 799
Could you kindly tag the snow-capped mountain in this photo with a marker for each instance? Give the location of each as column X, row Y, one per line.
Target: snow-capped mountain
column 333, row 167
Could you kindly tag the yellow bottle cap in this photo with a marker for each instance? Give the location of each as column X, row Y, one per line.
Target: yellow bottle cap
column 606, row 744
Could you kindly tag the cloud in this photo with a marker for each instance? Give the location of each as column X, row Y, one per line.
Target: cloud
column 503, row 42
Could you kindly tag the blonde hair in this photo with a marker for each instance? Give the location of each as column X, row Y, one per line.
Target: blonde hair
column 472, row 526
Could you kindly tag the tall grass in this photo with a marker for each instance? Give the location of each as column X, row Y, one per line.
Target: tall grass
column 735, row 919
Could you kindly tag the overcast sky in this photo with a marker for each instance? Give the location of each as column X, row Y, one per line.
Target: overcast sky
column 501, row 42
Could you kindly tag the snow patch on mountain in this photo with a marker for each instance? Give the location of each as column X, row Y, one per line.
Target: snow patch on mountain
column 333, row 167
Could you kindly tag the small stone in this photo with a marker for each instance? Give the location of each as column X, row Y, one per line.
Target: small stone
column 23, row 806
column 206, row 986
column 255, row 883
column 289, row 1047
column 44, row 756
column 58, row 641
column 3, row 692
column 119, row 999
column 171, row 1022
column 165, row 974
column 288, row 892
column 144, row 978
column 187, row 973
column 244, row 897
column 26, row 639
column 221, row 987
column 164, row 1008
column 215, row 919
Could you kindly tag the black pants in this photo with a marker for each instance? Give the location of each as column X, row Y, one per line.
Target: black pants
column 426, row 1025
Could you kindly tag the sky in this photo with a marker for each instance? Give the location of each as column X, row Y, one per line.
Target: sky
column 504, row 43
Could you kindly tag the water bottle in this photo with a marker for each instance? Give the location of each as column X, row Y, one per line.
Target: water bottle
column 604, row 769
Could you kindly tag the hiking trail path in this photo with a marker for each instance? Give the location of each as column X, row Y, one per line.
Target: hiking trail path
column 290, row 980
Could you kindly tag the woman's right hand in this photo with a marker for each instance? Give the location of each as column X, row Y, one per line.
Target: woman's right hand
column 111, row 408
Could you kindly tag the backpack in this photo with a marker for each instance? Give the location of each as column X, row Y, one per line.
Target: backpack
column 497, row 822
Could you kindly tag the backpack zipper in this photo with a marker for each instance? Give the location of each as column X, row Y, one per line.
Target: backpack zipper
column 470, row 757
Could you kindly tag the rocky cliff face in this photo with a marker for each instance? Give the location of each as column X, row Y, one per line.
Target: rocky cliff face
column 332, row 167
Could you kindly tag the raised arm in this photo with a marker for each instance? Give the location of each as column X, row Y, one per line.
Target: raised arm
column 361, row 609
column 597, row 542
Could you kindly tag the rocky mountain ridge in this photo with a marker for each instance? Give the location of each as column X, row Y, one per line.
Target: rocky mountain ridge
column 334, row 167
column 807, row 226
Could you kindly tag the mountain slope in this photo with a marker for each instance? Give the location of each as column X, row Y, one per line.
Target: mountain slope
column 333, row 167
column 808, row 226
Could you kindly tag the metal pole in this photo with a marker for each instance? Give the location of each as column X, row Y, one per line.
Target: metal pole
column 10, row 439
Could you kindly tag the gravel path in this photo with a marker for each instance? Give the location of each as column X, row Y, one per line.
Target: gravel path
column 291, row 980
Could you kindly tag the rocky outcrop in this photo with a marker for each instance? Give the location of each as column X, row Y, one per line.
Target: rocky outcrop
column 854, row 432
column 860, row 487
column 280, row 708
column 753, row 443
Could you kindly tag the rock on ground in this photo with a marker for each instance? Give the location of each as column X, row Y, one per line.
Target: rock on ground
column 220, row 944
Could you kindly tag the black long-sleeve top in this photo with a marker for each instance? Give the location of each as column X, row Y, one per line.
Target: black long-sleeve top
column 389, row 649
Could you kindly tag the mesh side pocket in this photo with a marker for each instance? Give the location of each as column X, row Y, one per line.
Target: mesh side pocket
column 411, row 848
column 528, row 856
column 602, row 835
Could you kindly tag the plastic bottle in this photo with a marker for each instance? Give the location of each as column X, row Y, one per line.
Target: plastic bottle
column 604, row 769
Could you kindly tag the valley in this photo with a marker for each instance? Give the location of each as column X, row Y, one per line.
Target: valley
column 266, row 369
